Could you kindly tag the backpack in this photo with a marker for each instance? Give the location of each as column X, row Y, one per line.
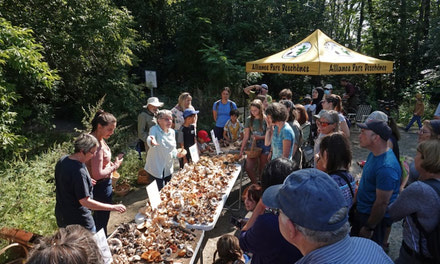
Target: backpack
column 218, row 103
column 433, row 237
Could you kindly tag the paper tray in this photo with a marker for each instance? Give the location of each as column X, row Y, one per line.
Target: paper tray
column 140, row 217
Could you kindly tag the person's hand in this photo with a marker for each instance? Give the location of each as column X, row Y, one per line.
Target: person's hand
column 119, row 208
column 181, row 153
column 153, row 141
column 366, row 232
column 93, row 181
column 117, row 162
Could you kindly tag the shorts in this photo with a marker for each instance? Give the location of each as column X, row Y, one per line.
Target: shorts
column 264, row 149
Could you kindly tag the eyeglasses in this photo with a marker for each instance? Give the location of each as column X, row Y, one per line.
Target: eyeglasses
column 421, row 132
column 91, row 151
column 167, row 119
column 323, row 124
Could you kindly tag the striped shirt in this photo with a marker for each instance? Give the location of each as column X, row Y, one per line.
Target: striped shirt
column 348, row 250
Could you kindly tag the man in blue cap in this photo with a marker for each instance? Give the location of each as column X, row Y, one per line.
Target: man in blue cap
column 314, row 218
column 380, row 182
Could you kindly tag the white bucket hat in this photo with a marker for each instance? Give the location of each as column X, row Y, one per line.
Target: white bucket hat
column 153, row 101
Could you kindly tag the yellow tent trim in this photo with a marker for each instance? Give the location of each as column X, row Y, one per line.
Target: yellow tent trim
column 319, row 55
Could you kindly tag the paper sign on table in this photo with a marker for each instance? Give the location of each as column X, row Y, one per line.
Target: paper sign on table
column 153, row 194
column 216, row 144
column 194, row 151
column 101, row 241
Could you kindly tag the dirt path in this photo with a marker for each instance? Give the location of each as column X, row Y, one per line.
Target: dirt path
column 137, row 198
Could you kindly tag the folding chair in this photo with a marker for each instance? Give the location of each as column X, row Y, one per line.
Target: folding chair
column 362, row 113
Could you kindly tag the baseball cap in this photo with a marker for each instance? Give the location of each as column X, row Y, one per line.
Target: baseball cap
column 377, row 115
column 264, row 86
column 377, row 126
column 153, row 101
column 310, row 198
column 203, row 135
column 435, row 126
column 328, row 86
column 189, row 112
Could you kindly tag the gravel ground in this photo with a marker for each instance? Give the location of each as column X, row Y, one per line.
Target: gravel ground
column 136, row 199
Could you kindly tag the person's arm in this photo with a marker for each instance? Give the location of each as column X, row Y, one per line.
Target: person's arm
column 268, row 136
column 225, row 133
column 98, row 206
column 406, row 203
column 377, row 212
column 259, row 210
column 345, row 129
column 142, row 127
column 287, row 144
column 97, row 164
column 247, row 90
column 151, row 140
column 245, row 139
column 214, row 115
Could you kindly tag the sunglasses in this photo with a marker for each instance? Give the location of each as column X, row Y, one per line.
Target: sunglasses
column 323, row 124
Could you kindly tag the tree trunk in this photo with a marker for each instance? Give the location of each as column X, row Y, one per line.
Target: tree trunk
column 402, row 48
column 361, row 22
column 379, row 89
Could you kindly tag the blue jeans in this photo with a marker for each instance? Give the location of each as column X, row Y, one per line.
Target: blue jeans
column 414, row 119
column 361, row 219
column 102, row 192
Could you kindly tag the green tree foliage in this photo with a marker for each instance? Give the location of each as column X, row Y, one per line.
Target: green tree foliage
column 89, row 43
column 27, row 86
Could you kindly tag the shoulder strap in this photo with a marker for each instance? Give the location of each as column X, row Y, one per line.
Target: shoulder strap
column 343, row 176
column 435, row 184
column 217, row 104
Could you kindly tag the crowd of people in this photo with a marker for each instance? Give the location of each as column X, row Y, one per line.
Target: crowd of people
column 306, row 212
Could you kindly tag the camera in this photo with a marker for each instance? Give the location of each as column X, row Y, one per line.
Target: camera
column 237, row 222
column 257, row 91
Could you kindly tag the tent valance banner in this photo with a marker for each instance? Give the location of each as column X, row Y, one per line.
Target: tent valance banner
column 318, row 54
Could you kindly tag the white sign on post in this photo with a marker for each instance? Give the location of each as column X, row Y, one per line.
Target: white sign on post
column 194, row 152
column 216, row 144
column 150, row 80
column 153, row 194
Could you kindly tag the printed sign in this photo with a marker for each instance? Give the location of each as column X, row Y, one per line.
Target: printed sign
column 153, row 194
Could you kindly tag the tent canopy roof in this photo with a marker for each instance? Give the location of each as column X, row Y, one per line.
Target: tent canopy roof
column 318, row 54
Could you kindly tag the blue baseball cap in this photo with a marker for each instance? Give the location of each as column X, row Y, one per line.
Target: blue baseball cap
column 264, row 86
column 310, row 198
column 189, row 112
column 377, row 126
